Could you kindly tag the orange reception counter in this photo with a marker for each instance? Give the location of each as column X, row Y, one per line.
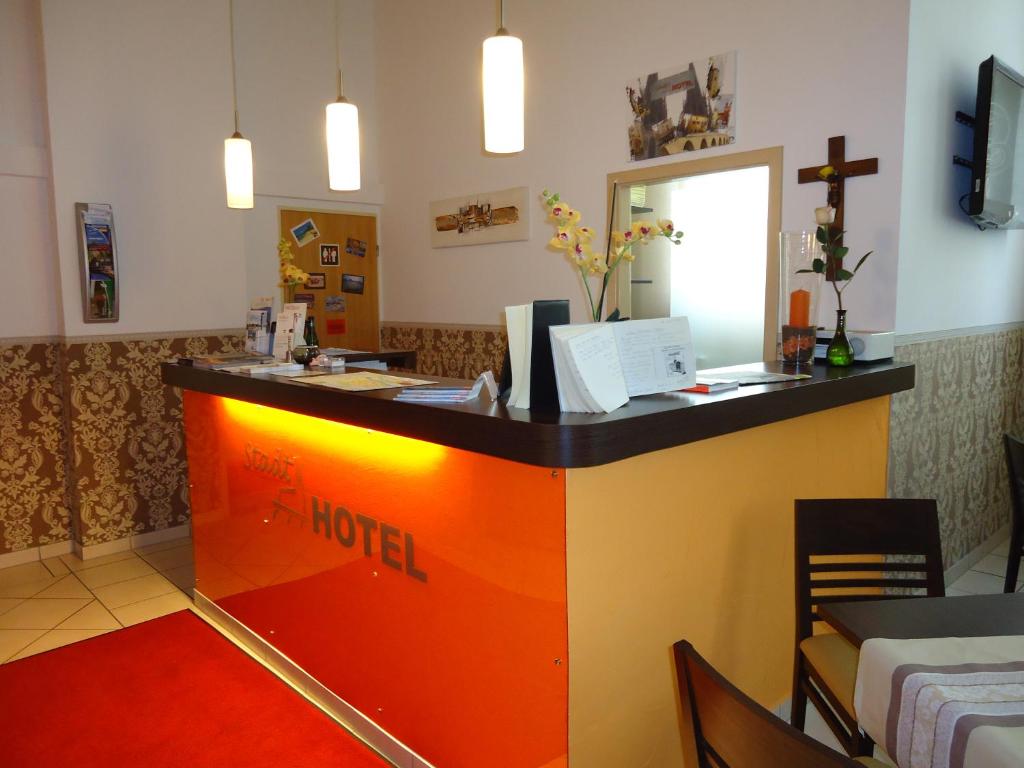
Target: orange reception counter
column 470, row 585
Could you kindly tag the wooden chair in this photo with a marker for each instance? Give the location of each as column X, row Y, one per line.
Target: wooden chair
column 854, row 549
column 725, row 728
column 1015, row 467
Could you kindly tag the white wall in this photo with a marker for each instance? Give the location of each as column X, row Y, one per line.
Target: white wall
column 27, row 258
column 808, row 69
column 950, row 274
column 139, row 107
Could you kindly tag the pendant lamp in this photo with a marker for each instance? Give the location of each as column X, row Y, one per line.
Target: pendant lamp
column 342, row 131
column 237, row 149
column 503, row 90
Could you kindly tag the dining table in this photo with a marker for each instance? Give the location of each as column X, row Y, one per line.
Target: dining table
column 940, row 680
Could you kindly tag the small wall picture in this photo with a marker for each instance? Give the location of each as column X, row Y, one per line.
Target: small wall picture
column 330, row 255
column 317, row 280
column 305, row 233
column 484, row 217
column 352, row 283
column 334, row 303
column 304, row 298
column 683, row 109
column 355, row 247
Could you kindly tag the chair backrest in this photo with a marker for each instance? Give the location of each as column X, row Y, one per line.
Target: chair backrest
column 1015, row 467
column 725, row 728
column 864, row 549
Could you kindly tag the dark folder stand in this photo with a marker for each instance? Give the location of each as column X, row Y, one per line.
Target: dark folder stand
column 543, row 389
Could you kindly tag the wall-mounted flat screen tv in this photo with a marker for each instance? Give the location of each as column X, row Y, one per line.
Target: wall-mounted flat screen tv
column 997, row 183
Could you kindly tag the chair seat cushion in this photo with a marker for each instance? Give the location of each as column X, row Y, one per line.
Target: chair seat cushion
column 834, row 658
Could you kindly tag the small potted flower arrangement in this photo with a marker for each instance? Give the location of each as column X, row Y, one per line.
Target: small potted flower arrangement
column 840, row 351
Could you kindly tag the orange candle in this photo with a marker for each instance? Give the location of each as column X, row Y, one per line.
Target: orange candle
column 800, row 308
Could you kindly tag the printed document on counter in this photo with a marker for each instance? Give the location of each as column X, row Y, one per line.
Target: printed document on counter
column 599, row 366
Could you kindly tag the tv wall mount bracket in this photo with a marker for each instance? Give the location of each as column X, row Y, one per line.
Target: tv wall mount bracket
column 964, row 119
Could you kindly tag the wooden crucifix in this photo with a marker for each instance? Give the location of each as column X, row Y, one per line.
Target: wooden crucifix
column 844, row 169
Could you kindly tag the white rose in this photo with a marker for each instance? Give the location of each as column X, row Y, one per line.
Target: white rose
column 824, row 215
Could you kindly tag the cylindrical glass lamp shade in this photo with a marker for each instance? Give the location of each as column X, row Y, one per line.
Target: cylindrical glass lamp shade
column 343, row 146
column 238, row 171
column 799, row 295
column 503, row 94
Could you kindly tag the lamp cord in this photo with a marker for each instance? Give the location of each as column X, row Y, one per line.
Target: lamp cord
column 501, row 14
column 234, row 83
column 337, row 47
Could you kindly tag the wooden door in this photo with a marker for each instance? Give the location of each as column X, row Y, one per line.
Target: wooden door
column 342, row 248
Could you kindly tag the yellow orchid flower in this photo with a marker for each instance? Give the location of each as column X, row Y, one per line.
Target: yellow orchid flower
column 583, row 253
column 642, row 231
column 560, row 211
column 575, row 240
column 598, row 265
column 564, row 238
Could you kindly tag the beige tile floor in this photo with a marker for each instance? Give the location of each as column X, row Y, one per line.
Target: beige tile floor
column 986, row 576
column 47, row 604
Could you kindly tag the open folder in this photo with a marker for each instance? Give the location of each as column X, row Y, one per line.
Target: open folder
column 599, row 366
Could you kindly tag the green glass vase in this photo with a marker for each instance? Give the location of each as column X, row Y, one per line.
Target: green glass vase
column 840, row 351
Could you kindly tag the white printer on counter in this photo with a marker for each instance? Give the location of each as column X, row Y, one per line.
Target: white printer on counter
column 868, row 346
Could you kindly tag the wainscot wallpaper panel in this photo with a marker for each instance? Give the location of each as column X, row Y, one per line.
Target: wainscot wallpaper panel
column 129, row 473
column 462, row 352
column 34, row 506
column 946, row 434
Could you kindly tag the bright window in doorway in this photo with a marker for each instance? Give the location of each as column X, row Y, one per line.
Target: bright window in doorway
column 724, row 275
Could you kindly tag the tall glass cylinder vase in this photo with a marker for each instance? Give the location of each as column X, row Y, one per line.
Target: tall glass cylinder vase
column 800, row 292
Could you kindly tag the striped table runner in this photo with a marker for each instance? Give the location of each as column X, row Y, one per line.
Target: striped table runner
column 938, row 702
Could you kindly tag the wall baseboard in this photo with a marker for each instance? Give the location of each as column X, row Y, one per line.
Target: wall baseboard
column 963, row 565
column 35, row 554
column 337, row 708
column 137, row 541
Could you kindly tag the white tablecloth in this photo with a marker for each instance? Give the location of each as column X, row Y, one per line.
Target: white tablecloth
column 933, row 703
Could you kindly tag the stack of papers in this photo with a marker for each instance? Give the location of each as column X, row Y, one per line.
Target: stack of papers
column 600, row 366
column 519, row 323
column 452, row 394
column 366, row 382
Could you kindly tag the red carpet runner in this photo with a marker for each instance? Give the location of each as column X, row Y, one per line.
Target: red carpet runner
column 169, row 692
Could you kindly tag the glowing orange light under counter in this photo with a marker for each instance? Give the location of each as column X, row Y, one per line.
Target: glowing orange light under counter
column 360, row 444
column 424, row 585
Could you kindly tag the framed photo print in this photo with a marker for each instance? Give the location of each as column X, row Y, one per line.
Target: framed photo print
column 98, row 253
column 330, row 255
column 317, row 280
column 352, row 283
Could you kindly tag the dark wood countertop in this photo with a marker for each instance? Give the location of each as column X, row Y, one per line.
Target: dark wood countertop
column 645, row 424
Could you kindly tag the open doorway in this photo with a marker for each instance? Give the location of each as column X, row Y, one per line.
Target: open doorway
column 724, row 275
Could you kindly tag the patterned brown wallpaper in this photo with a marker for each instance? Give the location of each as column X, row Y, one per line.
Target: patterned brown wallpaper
column 34, row 506
column 91, row 441
column 946, row 433
column 462, row 352
column 128, row 453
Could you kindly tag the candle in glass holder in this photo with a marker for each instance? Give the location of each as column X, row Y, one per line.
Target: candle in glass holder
column 800, row 308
